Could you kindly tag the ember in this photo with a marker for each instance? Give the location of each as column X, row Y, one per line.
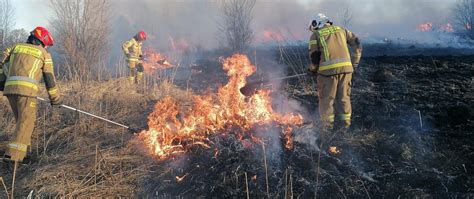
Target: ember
column 212, row 114
column 334, row 150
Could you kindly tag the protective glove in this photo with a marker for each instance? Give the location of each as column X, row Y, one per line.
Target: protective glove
column 312, row 69
column 56, row 103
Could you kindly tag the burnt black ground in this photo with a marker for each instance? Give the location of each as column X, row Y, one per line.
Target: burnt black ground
column 389, row 152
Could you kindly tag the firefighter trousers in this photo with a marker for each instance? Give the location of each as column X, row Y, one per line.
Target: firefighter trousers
column 334, row 100
column 24, row 110
column 135, row 71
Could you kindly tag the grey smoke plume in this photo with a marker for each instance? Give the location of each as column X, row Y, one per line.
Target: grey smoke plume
column 196, row 21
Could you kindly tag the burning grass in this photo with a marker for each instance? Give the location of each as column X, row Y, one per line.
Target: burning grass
column 172, row 132
column 155, row 61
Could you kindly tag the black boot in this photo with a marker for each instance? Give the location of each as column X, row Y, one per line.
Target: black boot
column 26, row 161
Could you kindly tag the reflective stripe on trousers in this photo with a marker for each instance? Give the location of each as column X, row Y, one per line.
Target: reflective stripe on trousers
column 329, row 118
column 132, row 59
column 343, row 117
column 53, row 91
column 18, row 146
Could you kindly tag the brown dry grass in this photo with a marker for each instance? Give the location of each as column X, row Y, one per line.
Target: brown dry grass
column 77, row 156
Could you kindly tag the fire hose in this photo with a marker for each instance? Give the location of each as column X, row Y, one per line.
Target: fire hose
column 92, row 115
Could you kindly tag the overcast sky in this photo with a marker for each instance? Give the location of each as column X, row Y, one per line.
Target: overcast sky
column 31, row 13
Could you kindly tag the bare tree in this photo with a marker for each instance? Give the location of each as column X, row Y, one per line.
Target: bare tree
column 347, row 14
column 464, row 16
column 7, row 15
column 16, row 36
column 82, row 29
column 236, row 27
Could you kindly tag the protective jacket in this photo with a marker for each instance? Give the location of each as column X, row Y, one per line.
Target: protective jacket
column 133, row 49
column 22, row 68
column 329, row 53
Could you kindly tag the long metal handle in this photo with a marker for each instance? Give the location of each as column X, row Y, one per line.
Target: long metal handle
column 289, row 77
column 251, row 87
column 278, row 78
column 89, row 114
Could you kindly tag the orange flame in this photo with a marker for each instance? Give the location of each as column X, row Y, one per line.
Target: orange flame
column 228, row 110
column 425, row 27
column 154, row 60
column 334, row 150
column 447, row 27
column 180, row 45
column 269, row 35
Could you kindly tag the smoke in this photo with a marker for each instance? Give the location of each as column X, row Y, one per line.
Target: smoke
column 166, row 22
column 386, row 18
column 196, row 22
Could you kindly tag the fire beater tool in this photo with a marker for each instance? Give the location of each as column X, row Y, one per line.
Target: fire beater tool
column 161, row 61
column 92, row 115
column 251, row 87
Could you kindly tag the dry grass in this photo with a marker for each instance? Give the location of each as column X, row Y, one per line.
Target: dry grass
column 78, row 156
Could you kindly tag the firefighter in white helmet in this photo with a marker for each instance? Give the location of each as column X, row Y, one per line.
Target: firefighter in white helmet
column 334, row 65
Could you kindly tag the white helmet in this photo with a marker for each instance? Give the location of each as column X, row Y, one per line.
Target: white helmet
column 319, row 21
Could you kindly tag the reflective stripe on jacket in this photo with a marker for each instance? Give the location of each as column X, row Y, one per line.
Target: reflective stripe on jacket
column 330, row 43
column 27, row 64
column 133, row 48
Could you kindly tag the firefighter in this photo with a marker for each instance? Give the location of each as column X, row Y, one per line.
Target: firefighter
column 334, row 65
column 23, row 66
column 133, row 52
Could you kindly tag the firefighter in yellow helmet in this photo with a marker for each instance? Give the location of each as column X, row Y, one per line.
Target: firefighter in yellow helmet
column 334, row 65
column 23, row 66
column 133, row 52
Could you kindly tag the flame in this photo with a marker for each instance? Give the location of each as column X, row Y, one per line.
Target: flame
column 154, row 60
column 227, row 111
column 288, row 135
column 179, row 179
column 447, row 27
column 269, row 35
column 425, row 27
column 180, row 45
column 334, row 150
